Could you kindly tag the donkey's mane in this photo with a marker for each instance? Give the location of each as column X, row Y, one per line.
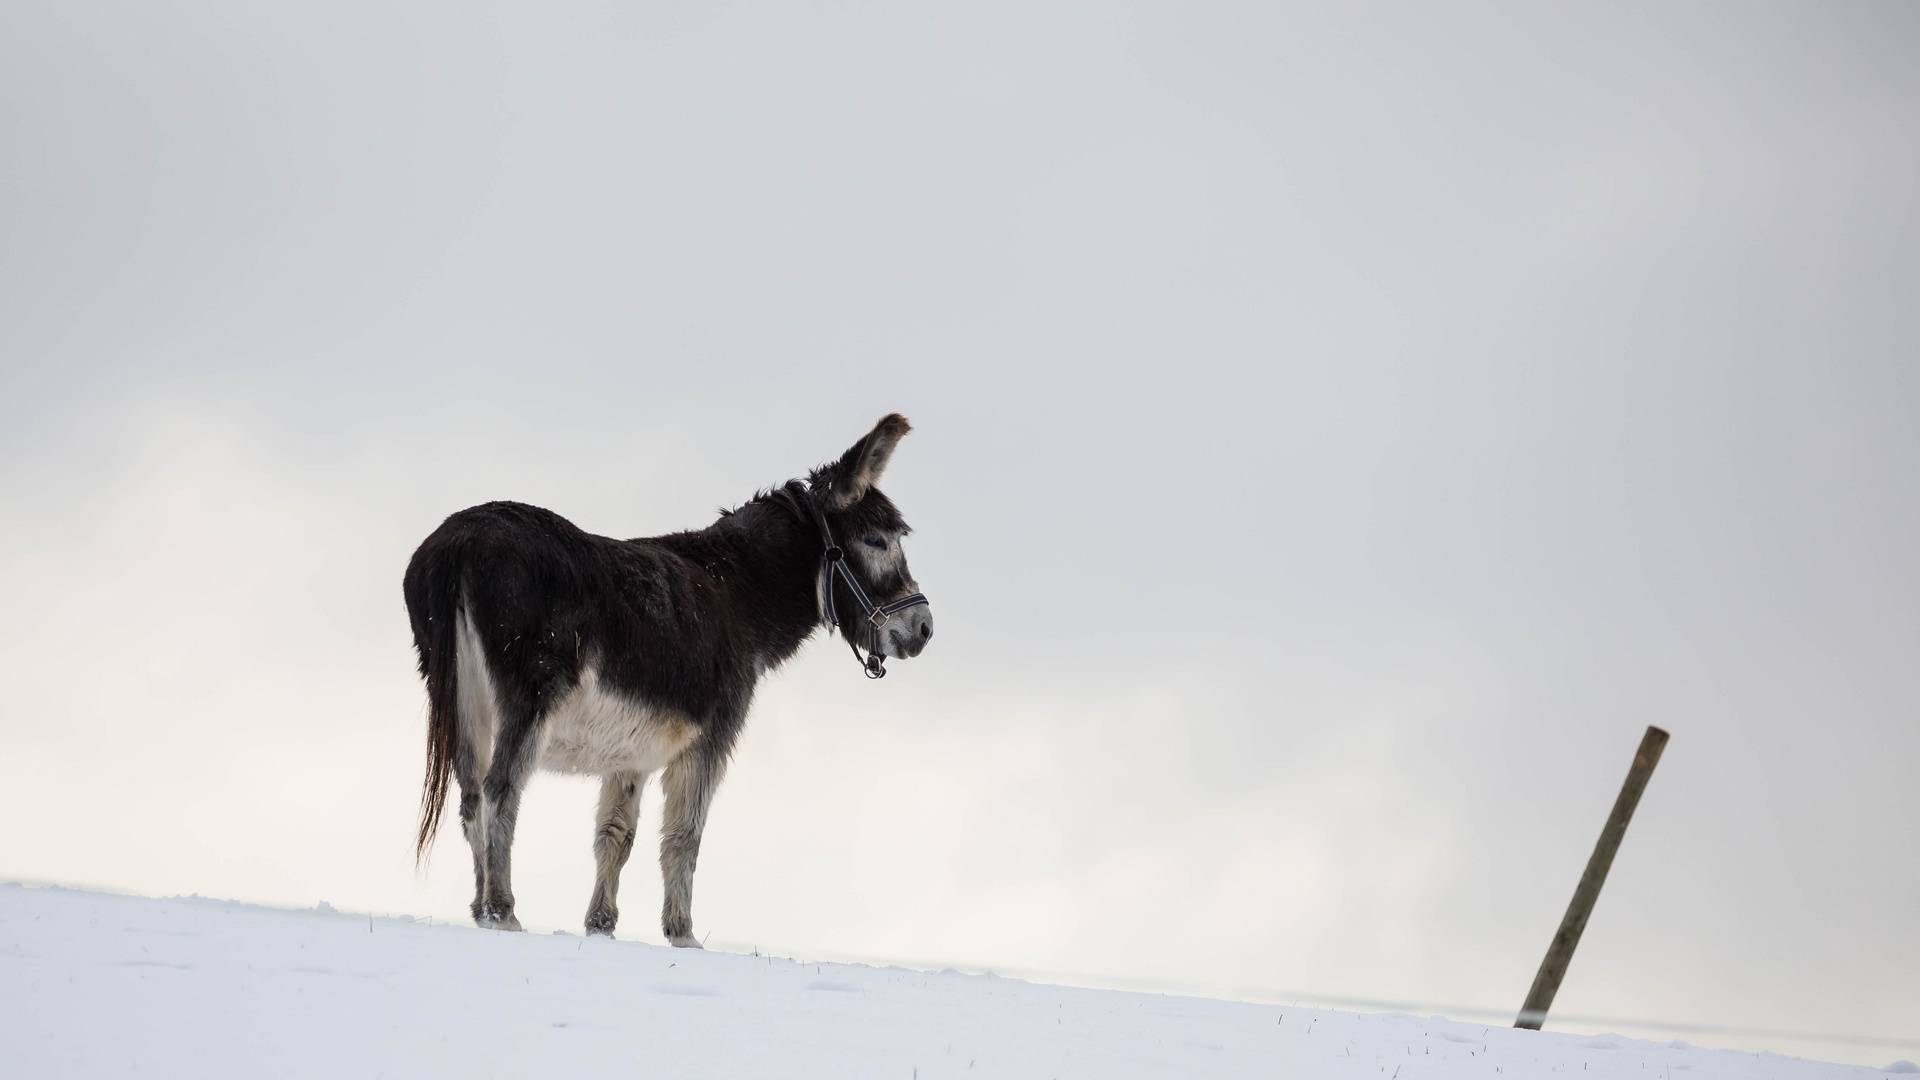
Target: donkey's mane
column 875, row 511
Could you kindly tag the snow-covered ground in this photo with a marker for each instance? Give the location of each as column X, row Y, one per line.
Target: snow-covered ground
column 96, row 984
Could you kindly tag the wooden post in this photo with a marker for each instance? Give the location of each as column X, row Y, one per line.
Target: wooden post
column 1560, row 953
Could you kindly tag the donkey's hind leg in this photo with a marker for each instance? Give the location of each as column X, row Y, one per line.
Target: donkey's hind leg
column 473, row 748
column 612, row 843
column 514, row 751
column 689, row 783
column 473, row 824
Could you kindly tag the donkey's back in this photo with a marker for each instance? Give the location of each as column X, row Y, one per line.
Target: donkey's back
column 551, row 603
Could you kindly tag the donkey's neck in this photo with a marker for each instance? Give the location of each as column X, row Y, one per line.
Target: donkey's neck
column 772, row 564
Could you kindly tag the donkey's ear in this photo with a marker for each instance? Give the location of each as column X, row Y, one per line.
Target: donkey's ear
column 860, row 467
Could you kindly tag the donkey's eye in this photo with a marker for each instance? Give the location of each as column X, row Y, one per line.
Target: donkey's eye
column 872, row 543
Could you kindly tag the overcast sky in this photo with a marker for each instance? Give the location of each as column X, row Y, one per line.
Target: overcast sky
column 1339, row 432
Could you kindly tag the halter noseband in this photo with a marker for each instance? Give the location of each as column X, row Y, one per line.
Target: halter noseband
column 834, row 561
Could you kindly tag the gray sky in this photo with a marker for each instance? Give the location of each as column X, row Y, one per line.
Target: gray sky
column 1340, row 431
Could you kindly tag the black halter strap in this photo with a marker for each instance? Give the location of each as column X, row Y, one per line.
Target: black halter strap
column 834, row 562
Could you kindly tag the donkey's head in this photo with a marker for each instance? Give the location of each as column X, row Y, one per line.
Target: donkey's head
column 868, row 528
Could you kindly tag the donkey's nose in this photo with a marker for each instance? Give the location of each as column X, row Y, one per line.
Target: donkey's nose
column 908, row 640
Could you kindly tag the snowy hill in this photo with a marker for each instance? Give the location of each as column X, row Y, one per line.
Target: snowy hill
column 94, row 984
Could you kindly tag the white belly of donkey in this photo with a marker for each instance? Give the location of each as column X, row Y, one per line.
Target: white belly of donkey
column 594, row 730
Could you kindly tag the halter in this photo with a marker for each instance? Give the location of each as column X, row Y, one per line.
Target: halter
column 834, row 561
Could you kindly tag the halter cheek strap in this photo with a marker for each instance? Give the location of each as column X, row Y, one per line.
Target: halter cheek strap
column 834, row 562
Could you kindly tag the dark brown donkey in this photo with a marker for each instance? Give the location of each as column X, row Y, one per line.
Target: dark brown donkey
column 546, row 646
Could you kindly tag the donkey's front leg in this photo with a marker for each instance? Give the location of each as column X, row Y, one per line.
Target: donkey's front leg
column 513, row 755
column 612, row 843
column 689, row 784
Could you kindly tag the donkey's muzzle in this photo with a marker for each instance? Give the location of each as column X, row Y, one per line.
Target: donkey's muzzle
column 909, row 632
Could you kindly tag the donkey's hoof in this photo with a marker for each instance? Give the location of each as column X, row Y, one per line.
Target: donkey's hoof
column 685, row 942
column 491, row 921
column 600, row 924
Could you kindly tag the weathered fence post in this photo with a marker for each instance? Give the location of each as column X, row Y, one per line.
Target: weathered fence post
column 1560, row 953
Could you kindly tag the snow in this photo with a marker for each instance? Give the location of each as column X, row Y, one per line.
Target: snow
column 97, row 984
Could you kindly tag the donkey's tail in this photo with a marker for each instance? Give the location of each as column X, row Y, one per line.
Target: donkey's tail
column 433, row 591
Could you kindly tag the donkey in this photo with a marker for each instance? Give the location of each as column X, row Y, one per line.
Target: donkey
column 543, row 645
